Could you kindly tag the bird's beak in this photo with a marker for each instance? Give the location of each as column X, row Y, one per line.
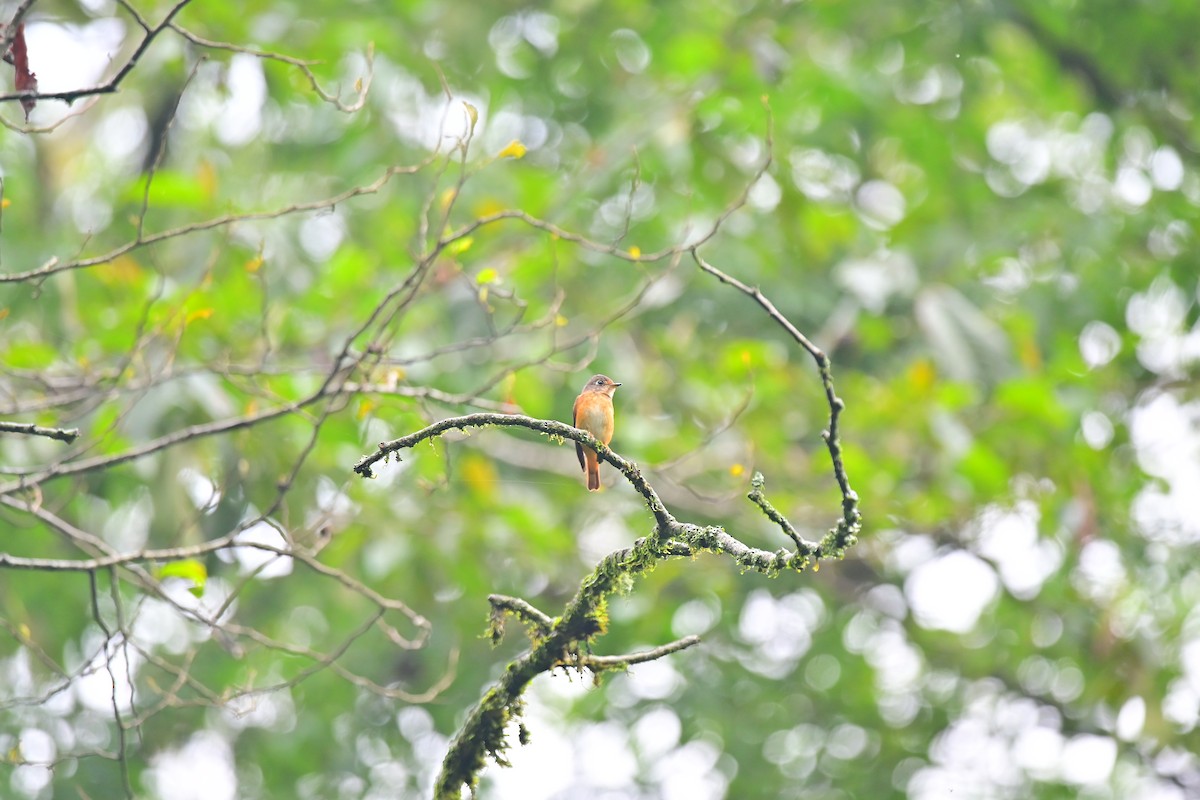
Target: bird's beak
column 618, row 384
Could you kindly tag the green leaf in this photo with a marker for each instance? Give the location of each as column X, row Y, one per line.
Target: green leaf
column 189, row 570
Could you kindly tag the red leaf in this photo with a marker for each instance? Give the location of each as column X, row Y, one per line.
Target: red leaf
column 25, row 80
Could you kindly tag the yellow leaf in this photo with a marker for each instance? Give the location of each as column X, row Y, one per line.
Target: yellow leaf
column 447, row 198
column 514, row 150
column 206, row 177
column 473, row 114
column 560, row 320
column 483, row 294
column 487, row 208
column 479, row 474
column 635, row 252
column 358, row 86
column 25, row 632
column 459, row 246
column 199, row 313
column 922, row 375
column 122, row 269
column 736, row 470
column 486, row 276
column 3, row 313
column 816, row 566
column 746, row 357
column 1031, row 357
column 365, row 408
column 252, row 407
column 5, row 203
column 254, row 264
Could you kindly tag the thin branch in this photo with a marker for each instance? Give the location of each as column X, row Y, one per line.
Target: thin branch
column 10, row 29
column 849, row 525
column 551, row 428
column 759, row 499
column 67, row 435
column 361, row 89
column 115, row 82
column 53, row 266
column 522, row 610
column 601, row 663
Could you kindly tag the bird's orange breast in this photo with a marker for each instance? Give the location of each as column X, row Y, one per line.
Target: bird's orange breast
column 595, row 415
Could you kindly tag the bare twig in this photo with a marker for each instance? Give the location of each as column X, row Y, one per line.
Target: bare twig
column 851, row 521
column 601, row 663
column 115, row 82
column 67, row 435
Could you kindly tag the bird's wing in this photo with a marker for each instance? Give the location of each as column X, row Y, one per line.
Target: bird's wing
column 578, row 446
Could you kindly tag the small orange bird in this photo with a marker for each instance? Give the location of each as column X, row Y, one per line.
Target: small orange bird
column 594, row 414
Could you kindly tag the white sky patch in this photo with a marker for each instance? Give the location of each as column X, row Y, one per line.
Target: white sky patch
column 610, row 762
column 432, row 121
column 90, row 46
column 250, row 559
column 1101, row 571
column 765, row 194
column 1038, row 751
column 1099, row 343
column 1166, row 169
column 95, row 688
column 654, row 680
column 322, row 234
column 1009, row 538
column 1132, row 187
column 1097, row 429
column 240, row 118
column 274, row 711
column 779, row 630
column 880, row 204
column 1166, row 437
column 657, row 732
column 875, row 279
column 1088, row 759
column 128, row 528
column 951, row 592
column 1131, row 719
column 823, row 176
column 201, row 489
column 202, row 769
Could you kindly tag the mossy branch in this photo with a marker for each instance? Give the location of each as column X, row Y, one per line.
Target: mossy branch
column 566, row 641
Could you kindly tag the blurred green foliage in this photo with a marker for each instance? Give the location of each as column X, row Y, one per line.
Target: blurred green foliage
column 983, row 211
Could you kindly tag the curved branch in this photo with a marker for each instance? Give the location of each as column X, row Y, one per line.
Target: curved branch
column 564, row 641
column 850, row 524
column 548, row 427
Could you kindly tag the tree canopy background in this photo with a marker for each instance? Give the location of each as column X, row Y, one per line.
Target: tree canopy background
column 278, row 234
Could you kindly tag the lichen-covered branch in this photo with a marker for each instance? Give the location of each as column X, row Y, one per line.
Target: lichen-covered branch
column 850, row 523
column 565, row 641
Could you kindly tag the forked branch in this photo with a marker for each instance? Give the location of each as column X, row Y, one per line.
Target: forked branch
column 565, row 641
